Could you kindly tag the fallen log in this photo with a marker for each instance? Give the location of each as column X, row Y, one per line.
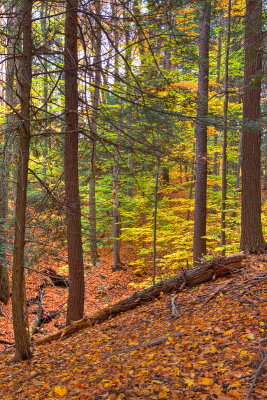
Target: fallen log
column 215, row 268
column 56, row 279
column 40, row 311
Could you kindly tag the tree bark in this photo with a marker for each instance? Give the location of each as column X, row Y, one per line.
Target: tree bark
column 155, row 222
column 215, row 268
column 11, row 101
column 75, row 306
column 252, row 240
column 116, row 217
column 225, row 129
column 116, row 220
column 199, row 245
column 95, row 114
column 20, row 322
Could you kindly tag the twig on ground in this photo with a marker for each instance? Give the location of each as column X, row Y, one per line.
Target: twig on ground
column 155, row 342
column 29, row 377
column 217, row 291
column 257, row 372
column 174, row 310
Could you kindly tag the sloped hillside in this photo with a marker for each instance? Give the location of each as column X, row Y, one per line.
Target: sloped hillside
column 215, row 347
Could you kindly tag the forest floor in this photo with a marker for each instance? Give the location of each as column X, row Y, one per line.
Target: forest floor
column 216, row 348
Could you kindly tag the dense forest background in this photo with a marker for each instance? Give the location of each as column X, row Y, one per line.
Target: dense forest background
column 124, row 125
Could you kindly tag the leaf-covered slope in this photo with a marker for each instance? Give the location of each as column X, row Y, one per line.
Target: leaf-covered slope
column 221, row 344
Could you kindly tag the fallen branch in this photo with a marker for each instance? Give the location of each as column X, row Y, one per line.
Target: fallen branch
column 174, row 309
column 155, row 342
column 34, row 375
column 217, row 267
column 217, row 291
column 256, row 374
column 40, row 312
column 2, row 341
column 57, row 280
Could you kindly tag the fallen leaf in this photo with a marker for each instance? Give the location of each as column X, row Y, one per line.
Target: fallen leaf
column 205, row 381
column 59, row 391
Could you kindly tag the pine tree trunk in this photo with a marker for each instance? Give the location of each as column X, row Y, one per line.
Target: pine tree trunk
column 95, row 112
column 199, row 247
column 225, row 129
column 216, row 166
column 116, row 220
column 75, row 306
column 155, row 222
column 45, row 139
column 252, row 240
column 12, row 26
column 20, row 323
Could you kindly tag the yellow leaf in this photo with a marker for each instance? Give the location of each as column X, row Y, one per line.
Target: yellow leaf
column 216, row 389
column 235, row 384
column 234, row 394
column 229, row 332
column 60, row 391
column 205, row 381
column 163, row 395
column 188, row 382
column 251, row 336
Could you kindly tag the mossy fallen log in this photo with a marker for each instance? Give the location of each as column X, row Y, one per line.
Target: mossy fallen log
column 215, row 268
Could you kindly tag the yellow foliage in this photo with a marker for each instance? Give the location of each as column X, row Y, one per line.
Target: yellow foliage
column 59, row 391
column 205, row 381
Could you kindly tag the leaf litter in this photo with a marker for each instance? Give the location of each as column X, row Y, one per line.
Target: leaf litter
column 219, row 353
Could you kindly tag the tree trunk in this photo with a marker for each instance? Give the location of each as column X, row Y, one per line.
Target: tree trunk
column 199, row 246
column 11, row 100
column 20, row 323
column 155, row 222
column 252, row 240
column 95, row 112
column 225, row 129
column 75, row 306
column 45, row 139
column 116, row 220
column 216, row 167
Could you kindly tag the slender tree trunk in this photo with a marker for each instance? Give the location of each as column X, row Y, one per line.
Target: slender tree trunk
column 45, row 141
column 252, row 240
column 218, row 80
column 12, row 29
column 92, row 207
column 20, row 323
column 155, row 220
column 95, row 112
column 190, row 179
column 165, row 173
column 199, row 247
column 116, row 220
column 225, row 129
column 73, row 213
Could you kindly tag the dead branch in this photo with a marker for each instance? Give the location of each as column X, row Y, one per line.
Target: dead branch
column 154, row 342
column 57, row 280
column 29, row 377
column 40, row 312
column 217, row 291
column 174, row 309
column 256, row 374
